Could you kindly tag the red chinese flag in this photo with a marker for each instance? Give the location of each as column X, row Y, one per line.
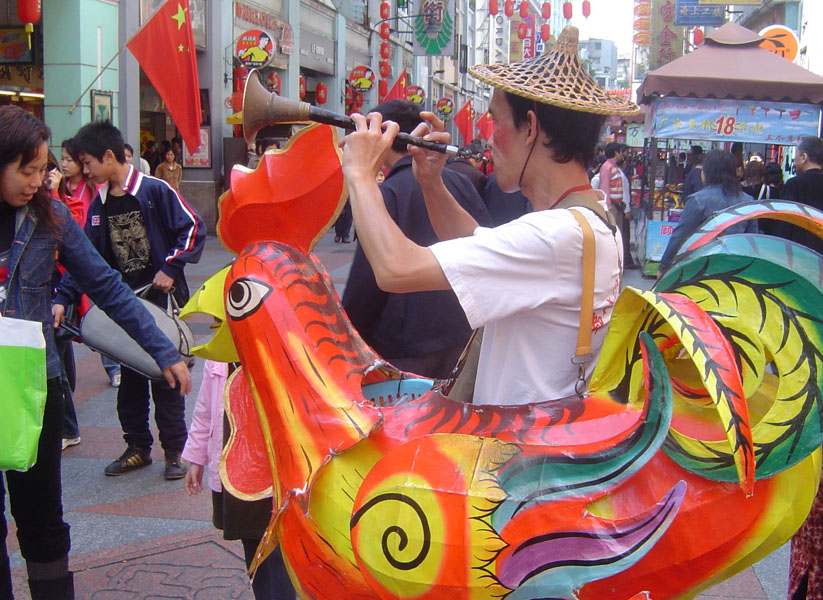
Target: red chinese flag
column 464, row 120
column 164, row 47
column 485, row 126
column 398, row 90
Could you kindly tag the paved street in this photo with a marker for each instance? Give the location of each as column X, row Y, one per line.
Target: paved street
column 140, row 537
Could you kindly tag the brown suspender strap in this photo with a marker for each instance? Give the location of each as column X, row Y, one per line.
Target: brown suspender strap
column 583, row 352
column 593, row 205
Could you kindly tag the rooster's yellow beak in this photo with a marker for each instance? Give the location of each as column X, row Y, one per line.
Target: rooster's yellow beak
column 208, row 300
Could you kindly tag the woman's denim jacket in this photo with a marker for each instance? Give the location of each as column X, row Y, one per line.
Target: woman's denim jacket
column 34, row 251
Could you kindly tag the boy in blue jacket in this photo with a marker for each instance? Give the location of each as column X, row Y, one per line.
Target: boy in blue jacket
column 147, row 232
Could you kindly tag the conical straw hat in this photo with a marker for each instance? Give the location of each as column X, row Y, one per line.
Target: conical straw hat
column 555, row 77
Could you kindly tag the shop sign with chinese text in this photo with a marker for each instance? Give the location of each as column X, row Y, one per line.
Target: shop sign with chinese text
column 690, row 13
column 255, row 48
column 734, row 120
column 361, row 78
column 666, row 39
column 434, row 28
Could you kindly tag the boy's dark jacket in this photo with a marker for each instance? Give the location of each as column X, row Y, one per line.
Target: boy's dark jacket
column 176, row 232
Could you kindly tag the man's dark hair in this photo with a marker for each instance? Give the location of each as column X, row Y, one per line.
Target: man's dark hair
column 573, row 134
column 151, row 144
column 612, row 148
column 406, row 114
column 476, row 146
column 719, row 169
column 97, row 137
column 773, row 174
column 737, row 148
column 813, row 148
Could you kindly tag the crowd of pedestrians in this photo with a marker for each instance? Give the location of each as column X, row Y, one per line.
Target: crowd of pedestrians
column 94, row 226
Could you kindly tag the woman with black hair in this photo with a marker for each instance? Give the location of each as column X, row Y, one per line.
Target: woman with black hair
column 722, row 191
column 35, row 229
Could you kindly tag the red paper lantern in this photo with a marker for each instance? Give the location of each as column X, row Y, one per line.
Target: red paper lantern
column 522, row 30
column 239, row 78
column 385, row 68
column 385, row 30
column 385, row 50
column 587, row 8
column 567, row 10
column 384, row 10
column 321, row 93
column 697, row 37
column 546, row 10
column 237, row 101
column 302, row 82
column 545, row 32
column 493, row 8
column 28, row 10
column 524, row 9
column 383, row 87
column 508, row 7
column 273, row 82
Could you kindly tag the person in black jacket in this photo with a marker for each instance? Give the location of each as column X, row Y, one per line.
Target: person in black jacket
column 147, row 232
column 807, row 188
column 421, row 332
column 470, row 167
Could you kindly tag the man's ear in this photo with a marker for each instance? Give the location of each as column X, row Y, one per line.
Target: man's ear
column 534, row 126
column 108, row 156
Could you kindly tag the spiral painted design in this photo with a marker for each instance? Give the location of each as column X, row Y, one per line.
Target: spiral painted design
column 395, row 530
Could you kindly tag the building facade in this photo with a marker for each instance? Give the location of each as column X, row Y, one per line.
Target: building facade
column 78, row 68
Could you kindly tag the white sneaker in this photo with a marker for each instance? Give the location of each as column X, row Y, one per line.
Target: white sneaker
column 115, row 380
column 70, row 442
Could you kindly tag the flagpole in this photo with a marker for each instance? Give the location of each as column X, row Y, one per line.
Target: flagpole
column 108, row 64
column 93, row 81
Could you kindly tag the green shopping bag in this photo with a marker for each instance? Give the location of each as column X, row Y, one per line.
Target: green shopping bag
column 23, row 391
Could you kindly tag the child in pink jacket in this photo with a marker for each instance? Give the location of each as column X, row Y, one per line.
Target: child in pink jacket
column 238, row 519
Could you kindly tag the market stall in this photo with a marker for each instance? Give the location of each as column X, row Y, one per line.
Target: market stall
column 728, row 90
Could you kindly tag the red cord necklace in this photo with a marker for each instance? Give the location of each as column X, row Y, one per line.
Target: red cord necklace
column 579, row 188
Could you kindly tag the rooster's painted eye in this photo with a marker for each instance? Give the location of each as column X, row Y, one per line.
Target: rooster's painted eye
column 245, row 297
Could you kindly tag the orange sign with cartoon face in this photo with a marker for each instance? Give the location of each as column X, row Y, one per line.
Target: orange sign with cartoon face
column 781, row 40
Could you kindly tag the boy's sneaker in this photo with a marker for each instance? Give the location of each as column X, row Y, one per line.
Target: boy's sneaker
column 175, row 466
column 133, row 458
column 70, row 442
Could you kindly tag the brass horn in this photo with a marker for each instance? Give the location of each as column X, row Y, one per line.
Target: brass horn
column 262, row 108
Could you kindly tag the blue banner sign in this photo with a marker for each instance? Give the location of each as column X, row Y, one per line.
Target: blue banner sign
column 780, row 123
column 690, row 13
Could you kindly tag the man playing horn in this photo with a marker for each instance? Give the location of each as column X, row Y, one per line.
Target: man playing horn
column 522, row 281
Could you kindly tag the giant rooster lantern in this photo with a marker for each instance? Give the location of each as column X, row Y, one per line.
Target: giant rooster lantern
column 695, row 452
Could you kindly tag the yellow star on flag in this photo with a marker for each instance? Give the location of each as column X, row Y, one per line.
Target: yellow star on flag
column 180, row 17
column 180, row 48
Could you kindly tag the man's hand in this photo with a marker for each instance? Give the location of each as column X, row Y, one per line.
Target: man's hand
column 179, row 373
column 58, row 312
column 162, row 282
column 194, row 479
column 365, row 149
column 428, row 164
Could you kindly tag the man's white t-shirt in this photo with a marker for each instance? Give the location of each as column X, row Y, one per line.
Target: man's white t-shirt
column 523, row 282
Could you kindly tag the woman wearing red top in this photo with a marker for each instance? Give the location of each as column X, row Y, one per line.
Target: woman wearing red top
column 83, row 190
column 76, row 184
